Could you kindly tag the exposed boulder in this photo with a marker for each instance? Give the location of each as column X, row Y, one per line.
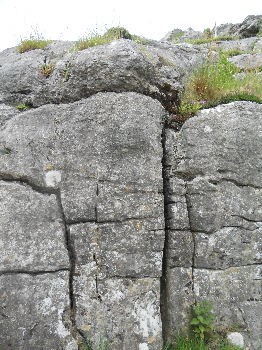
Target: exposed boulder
column 156, row 70
column 248, row 28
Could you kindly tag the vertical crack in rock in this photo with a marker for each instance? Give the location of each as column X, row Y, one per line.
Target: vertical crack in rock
column 193, row 240
column 71, row 325
column 163, row 281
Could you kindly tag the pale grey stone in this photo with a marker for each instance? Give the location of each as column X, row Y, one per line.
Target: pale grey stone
column 124, row 312
column 129, row 249
column 33, row 311
column 179, row 300
column 227, row 291
column 236, row 339
column 120, row 66
column 33, row 234
column 180, row 248
column 247, row 61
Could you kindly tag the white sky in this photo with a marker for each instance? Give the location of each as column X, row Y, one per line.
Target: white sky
column 70, row 20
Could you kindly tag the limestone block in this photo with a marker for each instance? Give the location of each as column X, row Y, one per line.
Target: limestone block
column 32, row 231
column 133, row 248
column 124, row 312
column 34, row 311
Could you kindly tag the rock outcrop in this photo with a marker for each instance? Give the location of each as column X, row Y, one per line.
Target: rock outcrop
column 113, row 223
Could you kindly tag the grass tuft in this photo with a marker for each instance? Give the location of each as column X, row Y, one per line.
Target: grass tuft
column 32, row 44
column 216, row 83
column 95, row 39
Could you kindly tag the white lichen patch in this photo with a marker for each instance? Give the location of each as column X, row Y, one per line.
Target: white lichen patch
column 143, row 346
column 52, row 178
column 147, row 316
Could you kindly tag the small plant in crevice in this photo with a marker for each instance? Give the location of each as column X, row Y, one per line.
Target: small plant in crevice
column 46, row 69
column 21, row 107
column 202, row 320
column 89, row 345
column 201, row 335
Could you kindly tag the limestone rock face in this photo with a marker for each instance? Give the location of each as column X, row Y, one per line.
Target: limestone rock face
column 113, row 223
column 213, row 176
column 82, row 195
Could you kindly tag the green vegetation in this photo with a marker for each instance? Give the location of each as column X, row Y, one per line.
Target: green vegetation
column 22, row 107
column 260, row 31
column 202, row 321
column 32, row 44
column 214, row 83
column 202, row 335
column 177, row 36
column 211, row 39
column 111, row 34
column 46, row 70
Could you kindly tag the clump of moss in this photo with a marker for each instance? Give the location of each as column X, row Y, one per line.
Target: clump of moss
column 21, row 107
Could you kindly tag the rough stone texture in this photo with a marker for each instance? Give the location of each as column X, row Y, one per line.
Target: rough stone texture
column 84, row 181
column 247, row 61
column 34, row 237
column 213, row 167
column 248, row 28
column 113, row 224
column 33, row 312
column 122, row 65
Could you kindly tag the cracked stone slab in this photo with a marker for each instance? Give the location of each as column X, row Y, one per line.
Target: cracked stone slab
column 33, row 312
column 32, row 230
column 222, row 143
column 134, row 303
column 228, row 247
column 179, row 300
column 115, row 203
column 108, row 137
column 213, row 206
column 133, row 248
column 180, row 248
column 228, row 291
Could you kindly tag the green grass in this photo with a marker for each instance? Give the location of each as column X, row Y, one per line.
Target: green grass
column 32, row 44
column 209, row 40
column 95, row 39
column 182, row 342
column 215, row 83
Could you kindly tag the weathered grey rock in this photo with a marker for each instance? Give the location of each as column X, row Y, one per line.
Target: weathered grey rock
column 131, row 305
column 124, row 249
column 33, row 312
column 246, row 44
column 33, row 233
column 6, row 113
column 173, row 34
column 247, row 61
column 258, row 44
column 122, row 65
column 97, row 166
column 218, row 256
column 248, row 28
